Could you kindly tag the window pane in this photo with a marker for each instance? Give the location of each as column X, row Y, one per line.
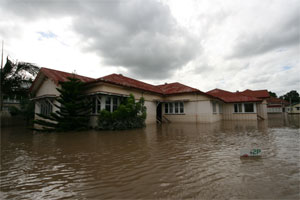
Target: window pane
column 93, row 105
column 46, row 108
column 171, row 107
column 235, row 108
column 166, row 108
column 98, row 105
column 115, row 103
column 181, row 107
column 220, row 108
column 214, row 107
column 107, row 103
column 176, row 107
column 249, row 107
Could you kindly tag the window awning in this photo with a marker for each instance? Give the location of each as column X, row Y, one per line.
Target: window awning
column 44, row 97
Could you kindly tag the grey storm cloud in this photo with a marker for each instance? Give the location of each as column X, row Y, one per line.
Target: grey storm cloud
column 140, row 35
column 283, row 34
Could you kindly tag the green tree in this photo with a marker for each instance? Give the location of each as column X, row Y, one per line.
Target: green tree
column 292, row 96
column 26, row 110
column 272, row 94
column 16, row 77
column 73, row 111
column 129, row 115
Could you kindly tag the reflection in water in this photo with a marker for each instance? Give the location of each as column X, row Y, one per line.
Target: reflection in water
column 173, row 161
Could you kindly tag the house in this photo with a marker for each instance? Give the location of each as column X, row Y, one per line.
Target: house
column 246, row 105
column 294, row 108
column 169, row 102
column 276, row 105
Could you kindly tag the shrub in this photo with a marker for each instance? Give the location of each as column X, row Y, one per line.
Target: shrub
column 129, row 115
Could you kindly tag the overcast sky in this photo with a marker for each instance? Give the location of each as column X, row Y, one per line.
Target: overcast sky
column 231, row 45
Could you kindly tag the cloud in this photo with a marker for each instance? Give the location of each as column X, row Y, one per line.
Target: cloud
column 140, row 35
column 273, row 35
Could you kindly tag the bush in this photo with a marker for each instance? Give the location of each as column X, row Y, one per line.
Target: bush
column 128, row 115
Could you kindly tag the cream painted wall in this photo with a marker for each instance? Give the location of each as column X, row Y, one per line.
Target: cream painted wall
column 196, row 111
column 109, row 88
column 262, row 109
column 228, row 114
column 151, row 112
column 47, row 87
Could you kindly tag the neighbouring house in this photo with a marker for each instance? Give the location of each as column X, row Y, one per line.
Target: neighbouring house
column 294, row 108
column 276, row 105
column 246, row 105
column 169, row 102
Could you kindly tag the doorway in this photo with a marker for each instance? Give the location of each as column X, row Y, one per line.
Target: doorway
column 158, row 112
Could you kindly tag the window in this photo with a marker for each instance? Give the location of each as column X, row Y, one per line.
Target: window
column 174, row 108
column 214, row 105
column 238, row 108
column 96, row 104
column 249, row 107
column 46, row 107
column 220, row 108
column 166, row 108
column 171, row 108
column 108, row 103
column 181, row 107
column 298, row 108
column 115, row 103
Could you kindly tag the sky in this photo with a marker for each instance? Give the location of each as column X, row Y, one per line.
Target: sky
column 206, row 44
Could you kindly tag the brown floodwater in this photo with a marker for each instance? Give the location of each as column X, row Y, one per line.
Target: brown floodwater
column 170, row 161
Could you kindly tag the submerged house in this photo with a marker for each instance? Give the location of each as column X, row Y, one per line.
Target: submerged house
column 246, row 105
column 173, row 102
column 276, row 105
column 294, row 108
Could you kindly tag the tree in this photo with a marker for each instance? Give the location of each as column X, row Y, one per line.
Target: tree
column 73, row 111
column 16, row 77
column 129, row 115
column 292, row 97
column 272, row 94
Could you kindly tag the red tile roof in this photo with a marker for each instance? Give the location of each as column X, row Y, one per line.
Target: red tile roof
column 59, row 76
column 257, row 93
column 176, row 88
column 231, row 97
column 56, row 76
column 276, row 101
column 166, row 89
column 121, row 80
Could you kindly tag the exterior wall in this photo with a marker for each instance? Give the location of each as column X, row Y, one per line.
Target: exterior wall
column 295, row 109
column 109, row 88
column 262, row 109
column 151, row 112
column 195, row 111
column 228, row 114
column 274, row 110
column 48, row 87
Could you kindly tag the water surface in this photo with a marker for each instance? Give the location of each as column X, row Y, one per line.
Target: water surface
column 170, row 161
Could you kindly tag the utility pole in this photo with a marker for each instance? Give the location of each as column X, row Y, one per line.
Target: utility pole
column 1, row 95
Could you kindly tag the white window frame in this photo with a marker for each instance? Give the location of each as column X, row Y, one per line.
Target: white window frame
column 214, row 107
column 220, row 108
column 97, row 101
column 171, row 108
column 242, row 107
column 46, row 107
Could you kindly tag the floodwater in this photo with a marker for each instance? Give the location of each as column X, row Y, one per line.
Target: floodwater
column 170, row 161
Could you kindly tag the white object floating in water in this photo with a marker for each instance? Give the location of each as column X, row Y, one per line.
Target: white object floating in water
column 250, row 152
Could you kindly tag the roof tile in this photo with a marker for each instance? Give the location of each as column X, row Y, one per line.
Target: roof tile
column 231, row 97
